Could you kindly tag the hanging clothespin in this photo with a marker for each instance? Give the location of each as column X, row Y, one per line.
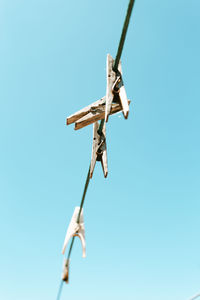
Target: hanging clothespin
column 65, row 274
column 92, row 113
column 96, row 114
column 99, row 151
column 76, row 229
column 114, row 101
column 92, row 109
column 115, row 90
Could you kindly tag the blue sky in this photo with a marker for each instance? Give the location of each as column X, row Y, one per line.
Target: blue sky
column 142, row 222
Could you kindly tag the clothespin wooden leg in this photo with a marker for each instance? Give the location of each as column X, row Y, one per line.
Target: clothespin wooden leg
column 94, row 147
column 82, row 238
column 99, row 151
column 75, row 229
column 84, row 111
column 111, row 76
column 104, row 161
column 123, row 96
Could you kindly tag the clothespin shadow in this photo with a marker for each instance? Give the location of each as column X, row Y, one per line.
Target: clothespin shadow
column 76, row 228
column 99, row 151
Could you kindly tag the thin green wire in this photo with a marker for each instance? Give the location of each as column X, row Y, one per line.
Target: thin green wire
column 78, row 219
column 115, row 68
column 60, row 290
column 123, row 35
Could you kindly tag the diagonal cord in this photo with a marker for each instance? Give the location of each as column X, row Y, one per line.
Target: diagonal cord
column 84, row 193
column 115, row 68
column 123, row 35
column 101, row 127
column 195, row 297
column 60, row 290
column 78, row 219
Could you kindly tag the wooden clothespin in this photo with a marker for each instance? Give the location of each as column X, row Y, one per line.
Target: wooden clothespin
column 114, row 101
column 65, row 274
column 76, row 229
column 92, row 113
column 92, row 109
column 115, row 90
column 96, row 115
column 99, row 151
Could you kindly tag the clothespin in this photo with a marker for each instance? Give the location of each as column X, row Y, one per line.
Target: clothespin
column 99, row 151
column 92, row 108
column 115, row 90
column 114, row 101
column 92, row 113
column 65, row 274
column 96, row 114
column 76, row 229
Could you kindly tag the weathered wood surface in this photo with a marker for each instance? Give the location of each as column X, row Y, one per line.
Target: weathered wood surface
column 111, row 77
column 79, row 114
column 97, row 115
column 101, row 109
column 97, row 141
column 94, row 148
column 104, row 160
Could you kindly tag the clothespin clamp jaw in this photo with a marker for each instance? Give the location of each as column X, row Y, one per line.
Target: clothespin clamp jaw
column 76, row 228
column 99, row 151
column 115, row 90
column 65, row 274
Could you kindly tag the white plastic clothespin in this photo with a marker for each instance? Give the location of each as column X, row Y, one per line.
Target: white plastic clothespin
column 99, row 151
column 115, row 90
column 76, row 229
column 65, row 274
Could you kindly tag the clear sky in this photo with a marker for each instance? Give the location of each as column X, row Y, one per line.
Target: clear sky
column 143, row 221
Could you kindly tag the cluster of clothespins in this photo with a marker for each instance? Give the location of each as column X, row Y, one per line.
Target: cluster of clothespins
column 115, row 101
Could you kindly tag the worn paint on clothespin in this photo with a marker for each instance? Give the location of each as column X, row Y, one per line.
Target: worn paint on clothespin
column 99, row 151
column 76, row 229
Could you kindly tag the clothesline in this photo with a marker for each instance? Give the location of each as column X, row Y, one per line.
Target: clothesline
column 115, row 69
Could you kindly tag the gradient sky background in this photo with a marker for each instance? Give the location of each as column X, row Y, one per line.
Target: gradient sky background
column 143, row 221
